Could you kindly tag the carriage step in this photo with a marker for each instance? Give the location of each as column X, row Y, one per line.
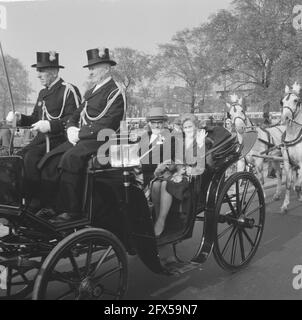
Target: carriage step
column 179, row 267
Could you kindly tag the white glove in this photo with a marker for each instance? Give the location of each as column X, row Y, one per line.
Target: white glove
column 73, row 135
column 13, row 116
column 41, row 126
column 200, row 138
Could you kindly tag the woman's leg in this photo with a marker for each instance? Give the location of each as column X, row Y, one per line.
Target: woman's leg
column 155, row 196
column 165, row 205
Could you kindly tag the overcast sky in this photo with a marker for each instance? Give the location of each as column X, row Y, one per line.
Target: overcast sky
column 72, row 26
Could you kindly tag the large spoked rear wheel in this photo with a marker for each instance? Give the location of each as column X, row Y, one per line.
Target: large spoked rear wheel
column 240, row 215
column 90, row 264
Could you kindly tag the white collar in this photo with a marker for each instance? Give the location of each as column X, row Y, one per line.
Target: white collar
column 53, row 83
column 101, row 84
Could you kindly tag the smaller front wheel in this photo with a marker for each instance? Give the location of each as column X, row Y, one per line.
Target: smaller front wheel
column 240, row 217
column 90, row 264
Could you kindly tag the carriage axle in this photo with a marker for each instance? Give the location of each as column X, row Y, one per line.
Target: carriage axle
column 241, row 222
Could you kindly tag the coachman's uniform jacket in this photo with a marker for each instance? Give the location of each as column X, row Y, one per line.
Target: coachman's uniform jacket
column 101, row 109
column 56, row 105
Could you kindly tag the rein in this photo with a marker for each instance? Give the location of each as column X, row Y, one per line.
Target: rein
column 249, row 125
column 293, row 142
column 295, row 122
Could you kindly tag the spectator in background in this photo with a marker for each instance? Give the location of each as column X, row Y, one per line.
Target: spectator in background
column 211, row 118
column 228, row 125
column 267, row 121
column 177, row 126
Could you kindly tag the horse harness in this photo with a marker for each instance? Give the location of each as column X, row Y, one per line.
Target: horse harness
column 298, row 139
column 270, row 143
column 292, row 143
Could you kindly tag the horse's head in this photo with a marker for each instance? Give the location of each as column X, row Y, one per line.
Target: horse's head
column 237, row 114
column 291, row 103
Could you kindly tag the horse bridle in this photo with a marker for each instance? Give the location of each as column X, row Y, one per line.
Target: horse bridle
column 294, row 113
column 297, row 108
column 243, row 119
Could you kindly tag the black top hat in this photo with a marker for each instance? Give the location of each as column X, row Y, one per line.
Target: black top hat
column 94, row 57
column 47, row 60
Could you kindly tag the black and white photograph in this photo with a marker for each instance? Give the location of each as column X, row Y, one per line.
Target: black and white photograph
column 151, row 150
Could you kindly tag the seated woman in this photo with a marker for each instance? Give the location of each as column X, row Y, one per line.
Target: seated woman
column 172, row 180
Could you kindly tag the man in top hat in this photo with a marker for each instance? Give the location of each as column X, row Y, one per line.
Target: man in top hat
column 55, row 104
column 103, row 107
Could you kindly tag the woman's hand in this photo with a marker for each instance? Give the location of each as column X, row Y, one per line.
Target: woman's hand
column 177, row 178
column 200, row 138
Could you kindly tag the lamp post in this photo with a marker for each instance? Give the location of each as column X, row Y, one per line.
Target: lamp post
column 225, row 71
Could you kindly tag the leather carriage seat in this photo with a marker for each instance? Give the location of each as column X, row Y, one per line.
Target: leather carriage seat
column 216, row 136
column 221, row 145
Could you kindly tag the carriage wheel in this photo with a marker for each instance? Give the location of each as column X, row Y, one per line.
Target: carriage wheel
column 90, row 264
column 240, row 215
column 19, row 283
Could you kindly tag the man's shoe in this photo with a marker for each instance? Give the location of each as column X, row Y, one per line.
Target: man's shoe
column 46, row 213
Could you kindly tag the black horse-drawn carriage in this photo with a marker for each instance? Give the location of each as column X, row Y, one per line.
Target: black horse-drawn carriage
column 87, row 258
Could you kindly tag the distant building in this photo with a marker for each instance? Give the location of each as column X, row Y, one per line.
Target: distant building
column 245, row 91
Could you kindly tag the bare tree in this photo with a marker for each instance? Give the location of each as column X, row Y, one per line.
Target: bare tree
column 133, row 69
column 20, row 86
column 185, row 59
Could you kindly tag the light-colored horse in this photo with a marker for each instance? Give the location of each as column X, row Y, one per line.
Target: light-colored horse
column 292, row 151
column 268, row 138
